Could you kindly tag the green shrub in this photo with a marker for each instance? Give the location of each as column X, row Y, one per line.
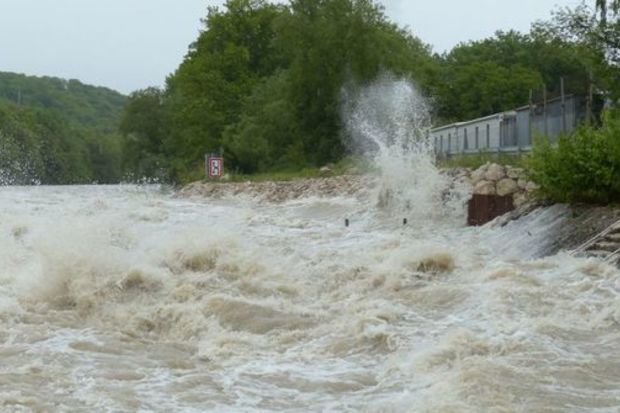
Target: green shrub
column 582, row 167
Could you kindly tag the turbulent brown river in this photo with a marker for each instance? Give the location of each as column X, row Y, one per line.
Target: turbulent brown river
column 134, row 299
column 125, row 299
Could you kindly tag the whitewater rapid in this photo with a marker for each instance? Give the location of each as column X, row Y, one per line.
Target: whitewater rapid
column 125, row 299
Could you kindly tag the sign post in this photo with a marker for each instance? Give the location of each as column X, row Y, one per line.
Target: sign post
column 214, row 166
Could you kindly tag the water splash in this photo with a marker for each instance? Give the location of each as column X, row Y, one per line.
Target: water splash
column 388, row 122
column 16, row 165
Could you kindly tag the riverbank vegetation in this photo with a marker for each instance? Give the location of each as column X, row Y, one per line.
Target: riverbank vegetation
column 585, row 166
column 54, row 131
column 263, row 84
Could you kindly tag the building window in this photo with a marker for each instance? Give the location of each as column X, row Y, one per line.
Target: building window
column 441, row 143
column 488, row 135
column 477, row 135
column 465, row 142
column 449, row 142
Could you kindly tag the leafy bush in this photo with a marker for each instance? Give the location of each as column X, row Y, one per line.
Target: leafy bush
column 582, row 167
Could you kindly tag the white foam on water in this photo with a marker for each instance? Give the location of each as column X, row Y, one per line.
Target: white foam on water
column 126, row 298
column 389, row 121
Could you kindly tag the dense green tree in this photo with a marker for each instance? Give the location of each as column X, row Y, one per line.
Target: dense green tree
column 223, row 66
column 595, row 48
column 582, row 167
column 266, row 135
column 331, row 43
column 264, row 82
column 144, row 127
column 39, row 146
column 105, row 155
column 82, row 105
column 498, row 73
column 55, row 131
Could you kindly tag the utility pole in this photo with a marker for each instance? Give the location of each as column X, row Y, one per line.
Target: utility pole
column 529, row 120
column 563, row 104
column 545, row 110
column 19, row 96
column 589, row 98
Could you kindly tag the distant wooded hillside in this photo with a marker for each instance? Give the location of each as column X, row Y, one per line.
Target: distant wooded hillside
column 80, row 104
column 56, row 131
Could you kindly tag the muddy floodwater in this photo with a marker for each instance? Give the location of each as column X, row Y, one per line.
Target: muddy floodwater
column 125, row 299
column 248, row 298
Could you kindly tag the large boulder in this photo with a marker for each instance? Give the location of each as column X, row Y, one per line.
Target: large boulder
column 515, row 173
column 531, row 187
column 520, row 199
column 464, row 181
column 506, row 186
column 495, row 172
column 485, row 188
column 478, row 175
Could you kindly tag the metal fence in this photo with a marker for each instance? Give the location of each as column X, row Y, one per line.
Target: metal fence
column 512, row 131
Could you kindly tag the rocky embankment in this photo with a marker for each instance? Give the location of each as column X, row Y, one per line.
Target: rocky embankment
column 489, row 179
column 349, row 185
column 572, row 225
column 495, row 179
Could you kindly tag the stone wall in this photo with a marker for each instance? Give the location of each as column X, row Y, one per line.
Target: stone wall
column 495, row 179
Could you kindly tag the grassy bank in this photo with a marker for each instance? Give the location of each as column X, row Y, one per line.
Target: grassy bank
column 357, row 165
column 474, row 161
column 349, row 165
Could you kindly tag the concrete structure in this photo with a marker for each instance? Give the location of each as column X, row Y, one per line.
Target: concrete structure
column 605, row 246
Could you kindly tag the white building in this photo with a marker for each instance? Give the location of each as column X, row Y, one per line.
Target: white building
column 471, row 136
column 511, row 131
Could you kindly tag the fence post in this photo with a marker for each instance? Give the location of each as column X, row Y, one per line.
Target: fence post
column 546, row 128
column 529, row 119
column 589, row 99
column 563, row 105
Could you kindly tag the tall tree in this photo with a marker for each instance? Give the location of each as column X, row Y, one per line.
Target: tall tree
column 330, row 43
column 603, row 6
column 205, row 95
column 144, row 127
column 497, row 74
column 264, row 81
column 594, row 46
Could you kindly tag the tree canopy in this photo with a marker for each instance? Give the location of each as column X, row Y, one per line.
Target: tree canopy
column 56, row 131
column 263, row 83
column 80, row 104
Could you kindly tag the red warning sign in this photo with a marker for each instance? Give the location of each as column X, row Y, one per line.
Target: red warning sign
column 215, row 166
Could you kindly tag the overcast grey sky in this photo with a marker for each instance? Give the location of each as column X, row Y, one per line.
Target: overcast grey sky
column 132, row 44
